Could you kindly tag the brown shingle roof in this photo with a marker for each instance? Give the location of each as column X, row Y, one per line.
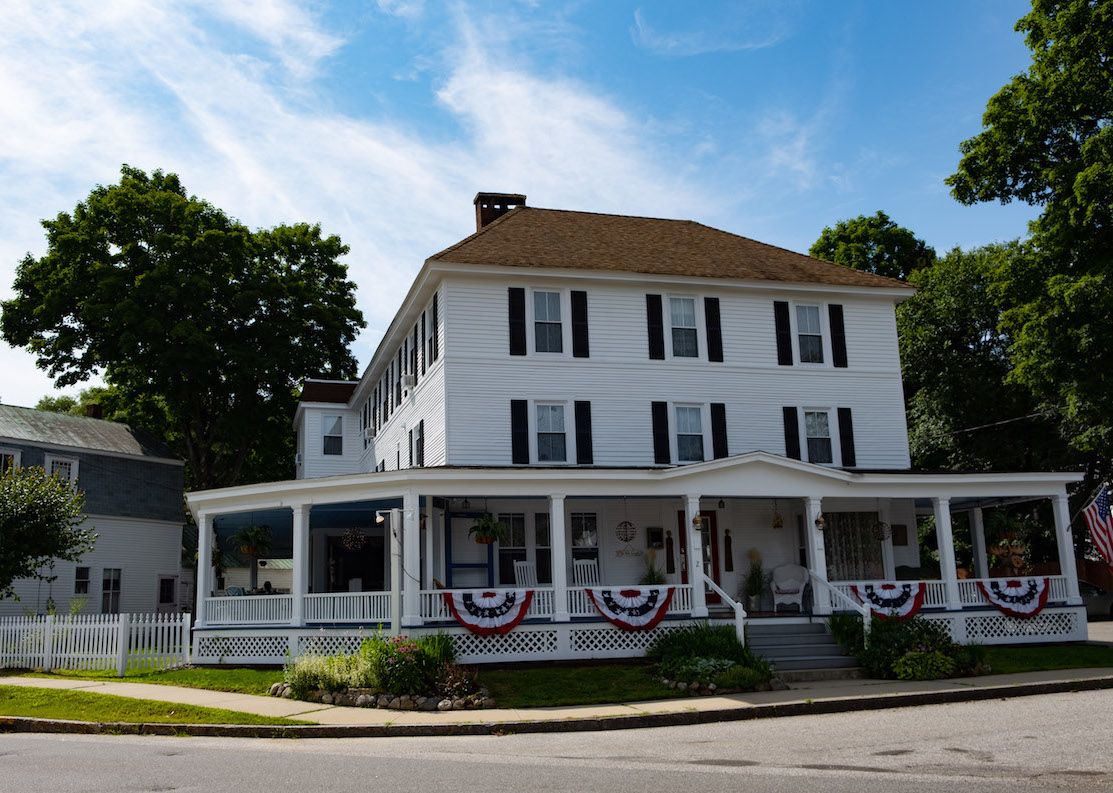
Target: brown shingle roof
column 531, row 237
column 327, row 391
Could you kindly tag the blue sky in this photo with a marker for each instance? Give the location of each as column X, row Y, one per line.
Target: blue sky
column 381, row 120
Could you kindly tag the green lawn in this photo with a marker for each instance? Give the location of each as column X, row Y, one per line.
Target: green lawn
column 46, row 703
column 1005, row 660
column 568, row 685
column 240, row 681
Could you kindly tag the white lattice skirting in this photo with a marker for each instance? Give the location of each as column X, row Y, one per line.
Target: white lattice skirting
column 564, row 641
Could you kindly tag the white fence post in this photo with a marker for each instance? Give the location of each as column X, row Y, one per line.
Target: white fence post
column 186, row 655
column 123, row 641
column 48, row 642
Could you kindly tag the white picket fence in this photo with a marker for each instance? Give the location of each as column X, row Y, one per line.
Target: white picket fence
column 95, row 641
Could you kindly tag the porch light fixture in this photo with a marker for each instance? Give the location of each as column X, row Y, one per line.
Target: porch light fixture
column 722, row 504
column 380, row 515
column 466, row 504
column 820, row 521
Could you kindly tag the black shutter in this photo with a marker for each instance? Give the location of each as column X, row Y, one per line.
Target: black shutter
column 846, row 438
column 436, row 331
column 656, row 324
column 424, row 351
column 421, row 443
column 792, row 433
column 414, row 354
column 838, row 335
column 519, row 432
column 579, row 326
column 584, row 455
column 714, row 329
column 661, row 453
column 784, row 333
column 517, row 320
column 719, row 430
column 411, row 448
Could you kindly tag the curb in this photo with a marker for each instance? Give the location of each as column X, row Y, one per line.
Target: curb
column 22, row 724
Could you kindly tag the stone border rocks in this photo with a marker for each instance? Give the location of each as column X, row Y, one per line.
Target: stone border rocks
column 372, row 698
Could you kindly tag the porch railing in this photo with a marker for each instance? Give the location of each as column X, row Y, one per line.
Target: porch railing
column 249, row 610
column 361, row 607
column 434, row 608
column 739, row 611
column 842, row 599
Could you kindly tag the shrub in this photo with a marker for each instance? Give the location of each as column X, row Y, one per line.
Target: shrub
column 743, row 677
column 846, row 629
column 312, row 671
column 931, row 665
column 696, row 670
column 454, row 680
column 701, row 640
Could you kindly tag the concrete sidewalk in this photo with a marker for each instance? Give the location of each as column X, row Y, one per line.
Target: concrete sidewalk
column 806, row 697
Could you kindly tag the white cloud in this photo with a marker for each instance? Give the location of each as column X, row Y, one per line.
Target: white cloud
column 731, row 28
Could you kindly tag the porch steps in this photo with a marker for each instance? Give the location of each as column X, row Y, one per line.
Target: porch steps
column 798, row 647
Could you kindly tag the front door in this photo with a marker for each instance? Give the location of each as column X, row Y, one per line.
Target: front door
column 167, row 594
column 710, row 531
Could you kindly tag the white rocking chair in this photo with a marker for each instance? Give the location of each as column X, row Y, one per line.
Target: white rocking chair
column 789, row 582
column 585, row 572
column 525, row 575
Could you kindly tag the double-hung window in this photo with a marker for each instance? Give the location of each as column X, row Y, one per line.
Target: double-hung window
column 8, row 458
column 552, row 441
column 585, row 535
column 682, row 317
column 81, row 581
column 332, row 434
column 689, row 434
column 514, row 548
column 817, row 429
column 110, row 591
column 62, row 467
column 547, row 329
column 809, row 334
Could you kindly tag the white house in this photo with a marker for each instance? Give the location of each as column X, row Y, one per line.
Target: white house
column 602, row 384
column 132, row 485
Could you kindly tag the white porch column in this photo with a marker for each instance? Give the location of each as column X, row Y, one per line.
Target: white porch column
column 394, row 529
column 204, row 570
column 558, row 551
column 695, row 556
column 817, row 554
column 947, row 568
column 1065, row 540
column 888, row 560
column 430, row 532
column 411, row 558
column 301, row 564
column 977, row 536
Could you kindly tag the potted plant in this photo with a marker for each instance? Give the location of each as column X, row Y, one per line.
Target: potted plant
column 653, row 574
column 252, row 541
column 754, row 585
column 488, row 530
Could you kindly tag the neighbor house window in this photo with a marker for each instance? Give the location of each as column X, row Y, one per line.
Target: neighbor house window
column 810, row 334
column 817, row 428
column 62, row 467
column 110, row 591
column 551, row 439
column 81, row 581
column 333, row 434
column 682, row 314
column 8, row 458
column 547, row 329
column 689, row 434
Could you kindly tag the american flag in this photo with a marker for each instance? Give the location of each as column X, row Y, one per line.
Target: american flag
column 1100, row 521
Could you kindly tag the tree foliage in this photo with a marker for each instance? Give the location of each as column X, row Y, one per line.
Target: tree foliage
column 203, row 328
column 1048, row 140
column 40, row 522
column 964, row 412
column 875, row 244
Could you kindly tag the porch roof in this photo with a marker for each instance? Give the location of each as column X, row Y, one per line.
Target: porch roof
column 752, row 475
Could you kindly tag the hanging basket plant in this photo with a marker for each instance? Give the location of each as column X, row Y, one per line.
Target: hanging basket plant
column 488, row 530
column 253, row 541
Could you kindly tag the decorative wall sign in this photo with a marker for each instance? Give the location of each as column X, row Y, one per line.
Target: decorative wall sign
column 489, row 611
column 655, row 537
column 633, row 608
column 892, row 599
column 1017, row 597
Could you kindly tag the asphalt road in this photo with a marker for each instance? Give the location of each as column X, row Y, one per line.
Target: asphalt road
column 1054, row 742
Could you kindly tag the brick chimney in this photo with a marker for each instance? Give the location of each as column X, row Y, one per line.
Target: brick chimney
column 491, row 206
column 93, row 411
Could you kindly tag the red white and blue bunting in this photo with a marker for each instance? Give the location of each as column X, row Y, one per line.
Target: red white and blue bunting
column 489, row 611
column 634, row 608
column 896, row 599
column 1017, row 597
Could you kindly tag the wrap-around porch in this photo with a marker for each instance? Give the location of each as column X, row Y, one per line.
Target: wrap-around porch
column 615, row 524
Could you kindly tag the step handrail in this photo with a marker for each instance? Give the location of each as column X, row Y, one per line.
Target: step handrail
column 739, row 611
column 846, row 602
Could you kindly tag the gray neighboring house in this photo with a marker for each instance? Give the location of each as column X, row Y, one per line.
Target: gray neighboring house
column 133, row 500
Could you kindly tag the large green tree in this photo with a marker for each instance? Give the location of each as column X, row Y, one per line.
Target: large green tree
column 202, row 327
column 40, row 522
column 1048, row 140
column 873, row 243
